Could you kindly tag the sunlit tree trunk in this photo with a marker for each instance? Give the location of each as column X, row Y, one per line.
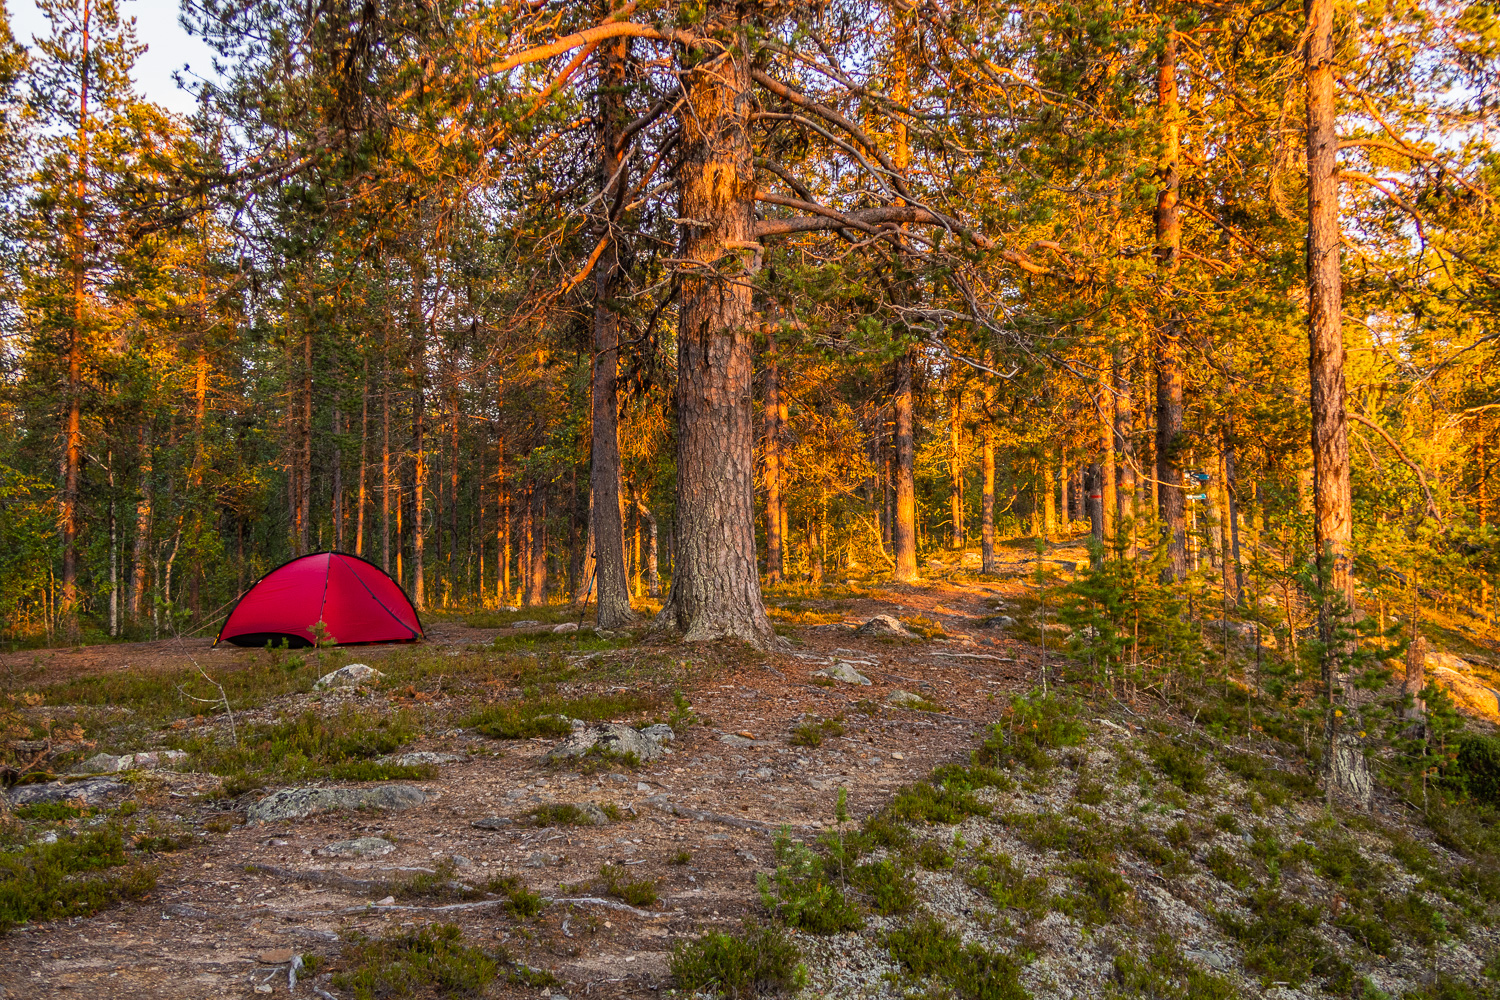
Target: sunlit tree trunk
column 1107, row 467
column 605, row 503
column 904, row 536
column 1345, row 768
column 142, row 524
column 715, row 579
column 536, row 561
column 988, row 562
column 364, row 460
column 1125, row 441
column 774, row 514
column 385, row 471
column 1168, row 340
column 956, row 465
column 304, row 445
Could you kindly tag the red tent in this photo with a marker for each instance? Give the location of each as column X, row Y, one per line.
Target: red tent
column 354, row 599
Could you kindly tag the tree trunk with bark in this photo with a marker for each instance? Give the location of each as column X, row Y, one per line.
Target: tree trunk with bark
column 1107, row 470
column 536, row 560
column 904, row 537
column 1125, row 442
column 1169, row 381
column 141, row 555
column 715, row 590
column 774, row 514
column 956, row 465
column 988, row 563
column 1346, row 772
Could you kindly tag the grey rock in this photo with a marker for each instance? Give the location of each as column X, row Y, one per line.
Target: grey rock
column 842, row 672
column 459, row 861
column 185, row 911
column 618, row 778
column 510, row 607
column 659, row 732
column 528, row 623
column 349, row 676
column 89, row 792
column 884, row 625
column 901, row 699
column 492, row 823
column 49, row 837
column 417, row 758
column 299, row 803
column 565, row 627
column 540, row 859
column 610, row 738
column 359, row 847
column 1212, row 959
column 997, row 621
column 103, row 763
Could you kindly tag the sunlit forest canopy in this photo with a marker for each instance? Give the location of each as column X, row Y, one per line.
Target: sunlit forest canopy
column 650, row 306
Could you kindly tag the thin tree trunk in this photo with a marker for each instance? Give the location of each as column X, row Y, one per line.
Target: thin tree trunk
column 73, row 425
column 956, row 466
column 450, row 585
column 716, row 581
column 1107, row 466
column 338, row 480
column 774, row 514
column 988, row 562
column 653, row 574
column 364, row 460
column 385, row 472
column 304, row 448
column 536, row 562
column 1168, row 341
column 1125, row 442
column 905, row 535
column 142, row 524
column 605, row 502
column 1049, row 512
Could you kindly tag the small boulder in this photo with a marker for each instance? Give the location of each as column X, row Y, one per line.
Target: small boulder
column 842, row 672
column 997, row 621
column 89, row 792
column 493, row 823
column 884, row 625
column 527, row 623
column 510, row 607
column 610, row 739
column 565, row 627
column 540, row 859
column 417, row 758
column 659, row 732
column 349, row 676
column 359, row 847
column 103, row 763
column 904, row 699
column 299, row 803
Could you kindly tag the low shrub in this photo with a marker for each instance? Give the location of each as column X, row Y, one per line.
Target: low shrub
column 928, row 950
column 759, row 959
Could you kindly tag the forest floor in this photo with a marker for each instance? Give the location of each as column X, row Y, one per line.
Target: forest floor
column 1111, row 850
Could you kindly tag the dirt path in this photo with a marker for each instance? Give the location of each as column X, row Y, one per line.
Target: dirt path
column 228, row 908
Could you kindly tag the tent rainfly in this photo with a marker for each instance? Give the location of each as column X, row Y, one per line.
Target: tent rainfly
column 354, row 599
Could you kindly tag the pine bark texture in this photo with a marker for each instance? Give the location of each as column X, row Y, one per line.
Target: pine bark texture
column 1169, row 380
column 608, row 543
column 772, row 411
column 715, row 591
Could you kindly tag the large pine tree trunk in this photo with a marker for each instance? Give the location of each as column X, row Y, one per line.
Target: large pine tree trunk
column 1173, row 503
column 1346, row 772
column 774, row 515
column 605, row 505
column 715, row 580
